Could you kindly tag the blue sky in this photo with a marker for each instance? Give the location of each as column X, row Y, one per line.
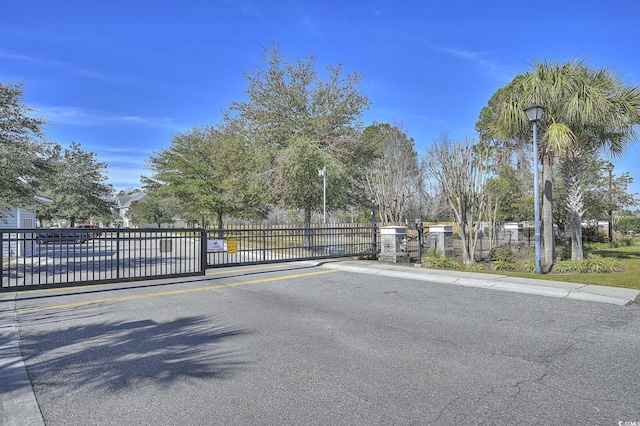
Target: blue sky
column 122, row 77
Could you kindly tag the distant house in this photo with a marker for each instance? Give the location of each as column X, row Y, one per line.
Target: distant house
column 22, row 217
column 123, row 203
column 18, row 217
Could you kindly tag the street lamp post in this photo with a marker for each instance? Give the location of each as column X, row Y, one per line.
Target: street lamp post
column 534, row 114
column 609, row 168
column 323, row 174
column 374, row 230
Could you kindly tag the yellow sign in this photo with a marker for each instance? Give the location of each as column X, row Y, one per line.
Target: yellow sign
column 232, row 245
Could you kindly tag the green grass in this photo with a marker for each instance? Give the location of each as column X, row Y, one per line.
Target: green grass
column 629, row 277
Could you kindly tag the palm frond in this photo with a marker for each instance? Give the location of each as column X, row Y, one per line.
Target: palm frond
column 558, row 137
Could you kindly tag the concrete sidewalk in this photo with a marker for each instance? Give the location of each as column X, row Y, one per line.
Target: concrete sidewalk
column 567, row 290
column 18, row 405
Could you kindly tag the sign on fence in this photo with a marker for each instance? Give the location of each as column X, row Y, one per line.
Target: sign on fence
column 232, row 245
column 215, row 245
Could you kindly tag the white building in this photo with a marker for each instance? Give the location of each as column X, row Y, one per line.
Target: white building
column 123, row 203
column 19, row 218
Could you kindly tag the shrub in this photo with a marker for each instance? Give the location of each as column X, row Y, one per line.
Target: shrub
column 591, row 234
column 598, row 265
column 505, row 266
column 501, row 254
column 564, row 252
column 626, row 242
column 437, row 262
column 593, row 264
column 475, row 267
column 570, row 267
column 528, row 250
column 528, row 266
column 595, row 247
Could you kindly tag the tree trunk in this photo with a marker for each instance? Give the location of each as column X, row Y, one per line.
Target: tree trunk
column 548, row 238
column 220, row 225
column 575, row 207
column 463, row 240
column 462, row 227
column 577, row 252
column 307, row 239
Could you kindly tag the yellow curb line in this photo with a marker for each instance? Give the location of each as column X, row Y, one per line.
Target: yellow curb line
column 170, row 293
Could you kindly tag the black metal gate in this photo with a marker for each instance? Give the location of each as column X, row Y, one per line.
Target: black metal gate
column 58, row 257
column 258, row 244
column 50, row 257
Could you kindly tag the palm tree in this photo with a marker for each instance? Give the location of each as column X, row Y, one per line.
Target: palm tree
column 586, row 110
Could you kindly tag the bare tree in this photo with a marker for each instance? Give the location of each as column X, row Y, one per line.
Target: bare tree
column 460, row 169
column 393, row 175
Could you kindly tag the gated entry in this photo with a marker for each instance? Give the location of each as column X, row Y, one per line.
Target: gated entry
column 48, row 257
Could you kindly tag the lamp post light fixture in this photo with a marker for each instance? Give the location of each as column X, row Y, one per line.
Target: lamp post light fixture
column 534, row 114
column 609, row 168
column 323, row 174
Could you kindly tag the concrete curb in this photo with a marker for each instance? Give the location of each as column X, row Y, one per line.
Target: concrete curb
column 560, row 289
column 18, row 405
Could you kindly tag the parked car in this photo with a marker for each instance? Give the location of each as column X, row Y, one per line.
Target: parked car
column 92, row 230
column 62, row 236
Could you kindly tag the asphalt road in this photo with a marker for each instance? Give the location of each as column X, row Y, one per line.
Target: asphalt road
column 302, row 345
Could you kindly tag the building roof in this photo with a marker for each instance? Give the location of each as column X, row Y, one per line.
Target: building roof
column 126, row 200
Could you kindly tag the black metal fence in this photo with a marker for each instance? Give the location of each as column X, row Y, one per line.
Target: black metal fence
column 418, row 242
column 487, row 241
column 258, row 244
column 36, row 257
column 49, row 257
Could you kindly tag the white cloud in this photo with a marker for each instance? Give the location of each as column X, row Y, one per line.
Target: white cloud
column 128, row 158
column 482, row 60
column 125, row 177
column 310, row 27
column 51, row 63
column 79, row 116
column 247, row 7
column 16, row 57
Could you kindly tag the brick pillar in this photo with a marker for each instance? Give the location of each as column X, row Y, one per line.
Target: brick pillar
column 440, row 240
column 393, row 244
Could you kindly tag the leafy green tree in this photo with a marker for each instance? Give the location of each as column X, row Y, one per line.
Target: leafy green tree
column 78, row 187
column 508, row 197
column 23, row 152
column 504, row 151
column 604, row 193
column 206, row 172
column 152, row 209
column 629, row 223
column 296, row 123
column 110, row 218
column 299, row 162
column 585, row 110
